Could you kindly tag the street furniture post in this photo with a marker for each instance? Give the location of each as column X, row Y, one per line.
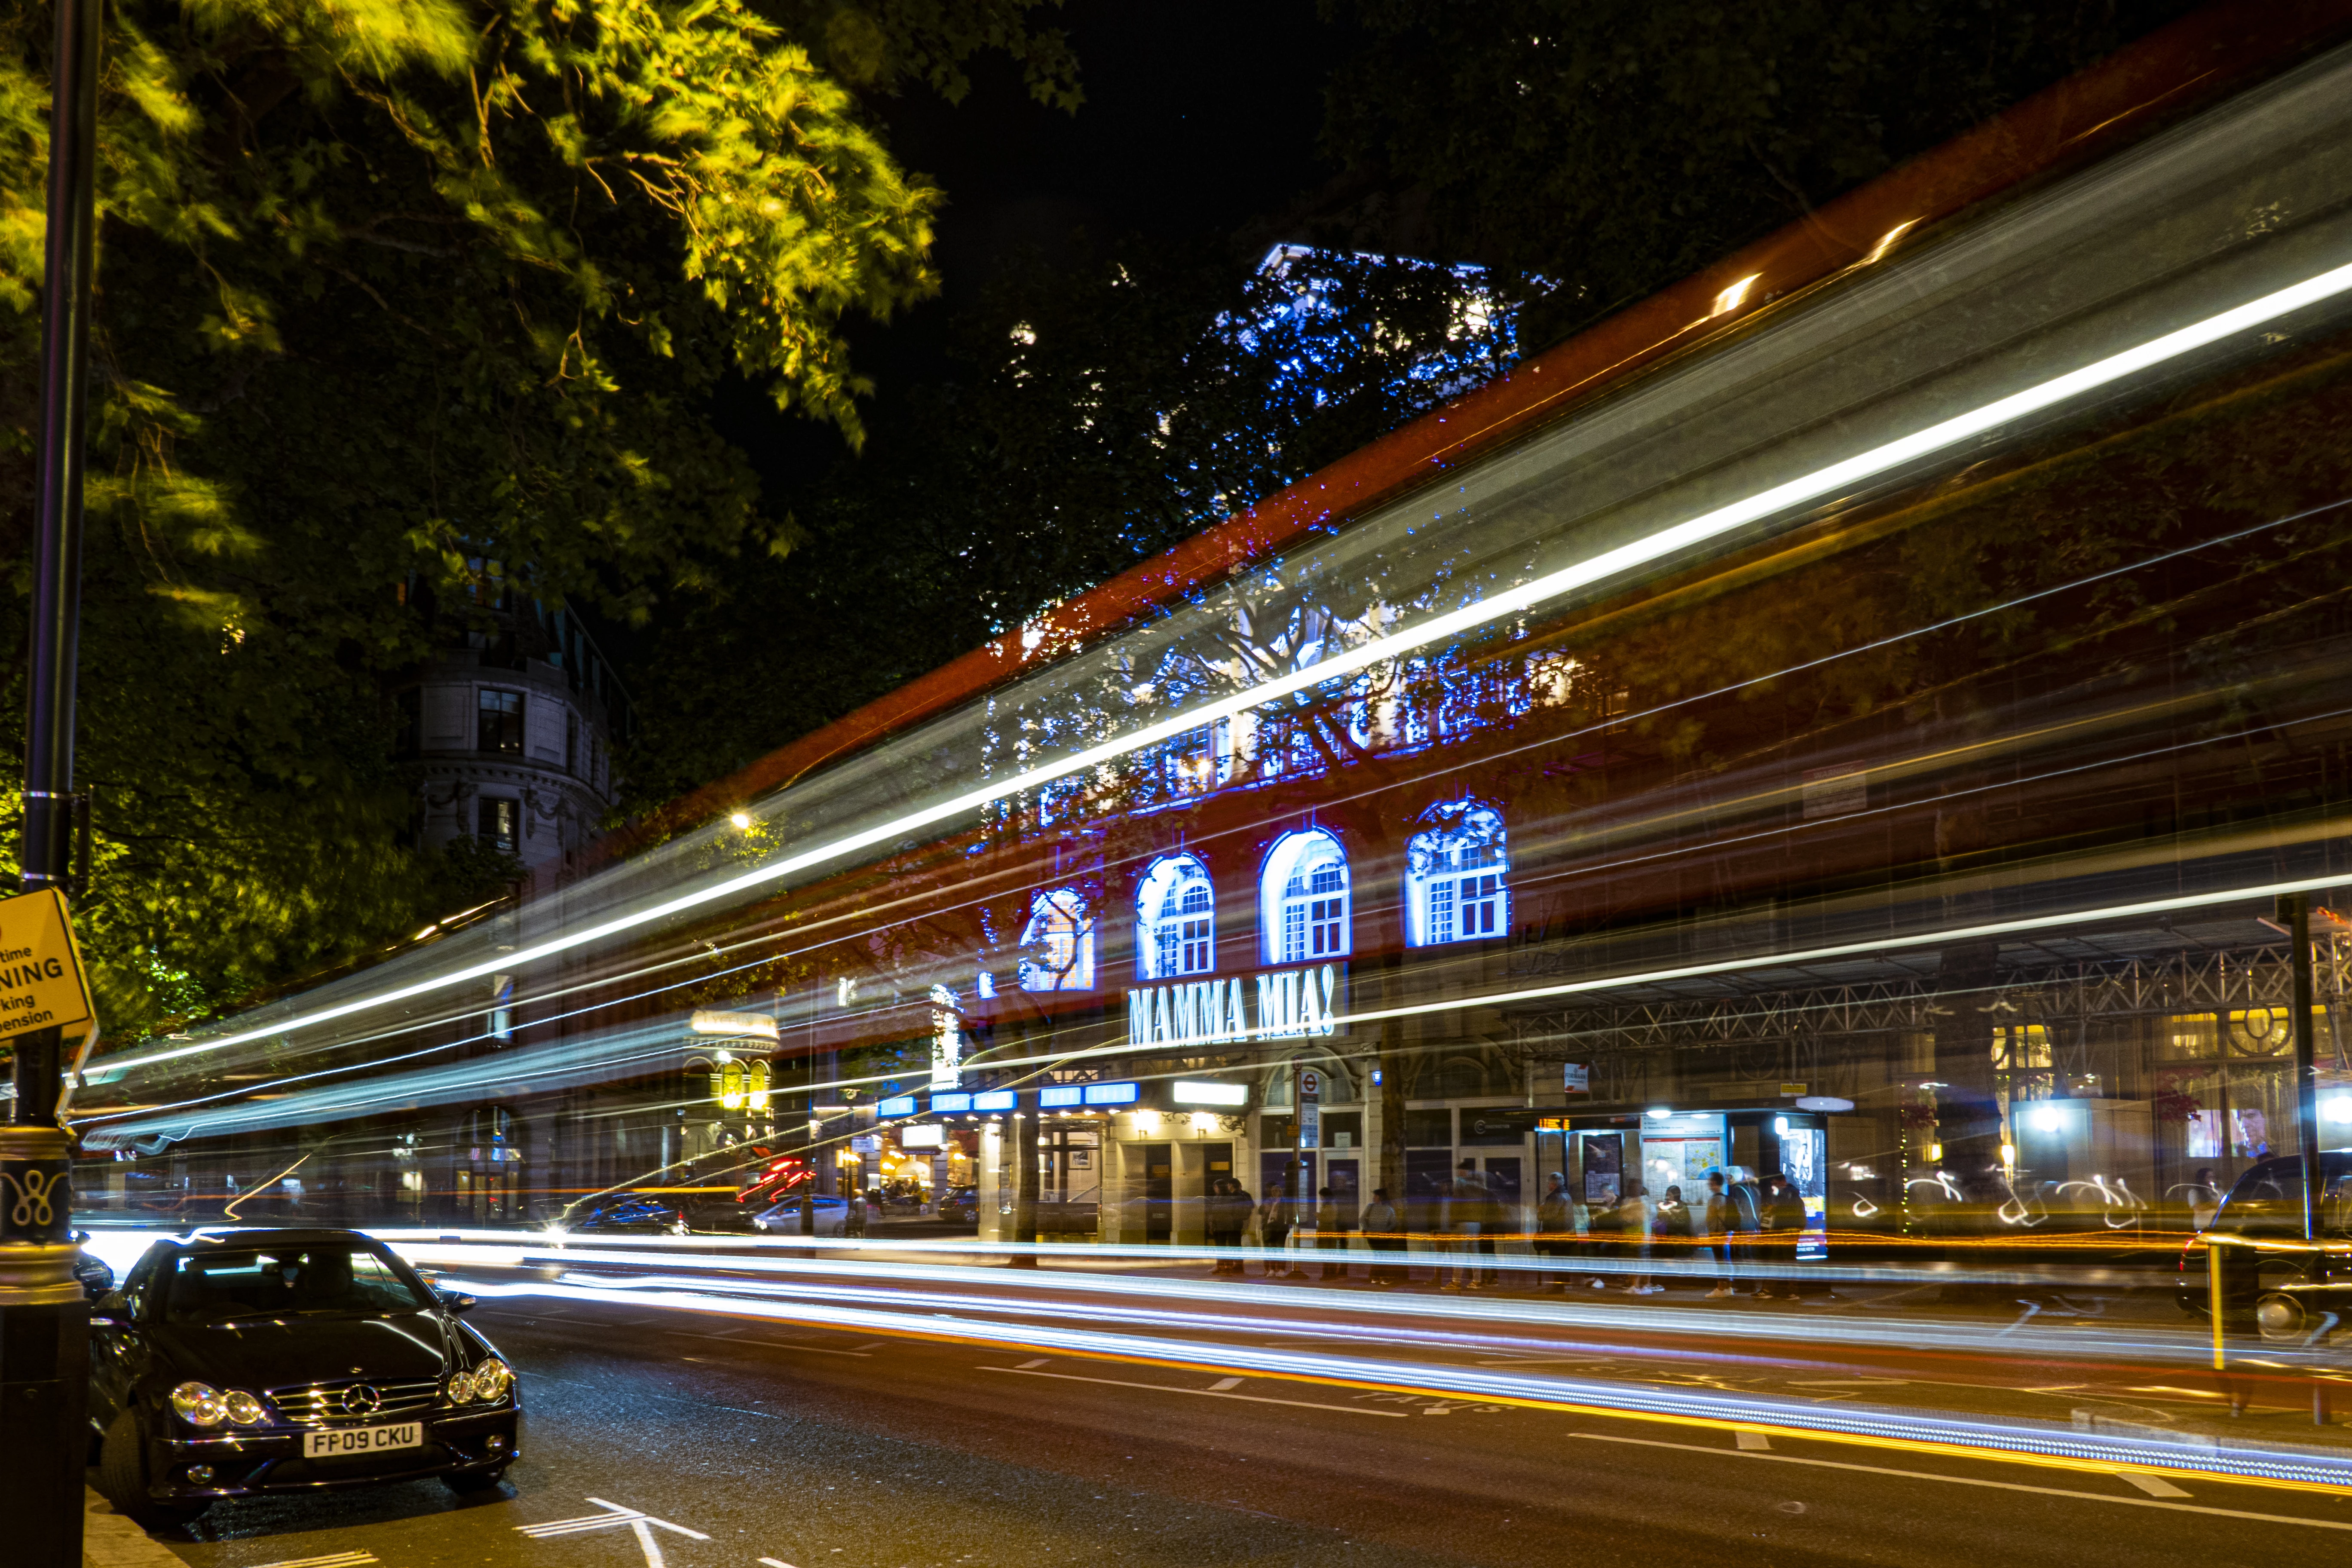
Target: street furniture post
column 44, row 1321
column 2294, row 913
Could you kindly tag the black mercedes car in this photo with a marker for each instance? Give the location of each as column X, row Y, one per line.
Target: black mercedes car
column 240, row 1363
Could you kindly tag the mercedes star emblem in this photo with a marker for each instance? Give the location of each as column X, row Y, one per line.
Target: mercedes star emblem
column 361, row 1399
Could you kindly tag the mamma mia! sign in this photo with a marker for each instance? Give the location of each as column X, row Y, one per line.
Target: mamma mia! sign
column 1239, row 1007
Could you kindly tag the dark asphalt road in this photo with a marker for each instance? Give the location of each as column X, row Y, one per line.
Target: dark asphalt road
column 750, row 1442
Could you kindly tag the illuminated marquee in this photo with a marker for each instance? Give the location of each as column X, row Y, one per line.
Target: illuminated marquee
column 1281, row 1002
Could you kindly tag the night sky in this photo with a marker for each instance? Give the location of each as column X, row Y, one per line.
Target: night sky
column 1201, row 119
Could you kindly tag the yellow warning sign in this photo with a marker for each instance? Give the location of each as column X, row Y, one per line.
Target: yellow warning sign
column 41, row 981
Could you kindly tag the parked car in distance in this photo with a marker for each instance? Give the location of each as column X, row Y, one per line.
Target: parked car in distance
column 832, row 1218
column 629, row 1215
column 95, row 1277
column 2277, row 1285
column 961, row 1205
column 248, row 1361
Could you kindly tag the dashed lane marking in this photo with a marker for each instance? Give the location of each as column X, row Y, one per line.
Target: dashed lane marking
column 1196, row 1392
column 1222, row 1384
column 1753, row 1441
column 331, row 1560
column 1025, row 1365
column 2154, row 1486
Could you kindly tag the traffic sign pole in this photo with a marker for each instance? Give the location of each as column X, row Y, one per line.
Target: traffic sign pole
column 44, row 1321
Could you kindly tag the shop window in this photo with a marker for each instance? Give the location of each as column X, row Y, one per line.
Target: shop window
column 1303, row 899
column 1457, row 875
column 1058, row 947
column 1175, row 920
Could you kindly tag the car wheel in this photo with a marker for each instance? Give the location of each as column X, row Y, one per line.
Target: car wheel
column 2279, row 1316
column 123, row 1478
column 468, row 1482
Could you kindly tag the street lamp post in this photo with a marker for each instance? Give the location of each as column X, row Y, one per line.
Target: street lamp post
column 44, row 1324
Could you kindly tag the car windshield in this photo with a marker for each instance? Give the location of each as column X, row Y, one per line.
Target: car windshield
column 286, row 1281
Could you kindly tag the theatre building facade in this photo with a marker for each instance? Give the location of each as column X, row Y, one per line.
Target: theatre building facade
column 1872, row 714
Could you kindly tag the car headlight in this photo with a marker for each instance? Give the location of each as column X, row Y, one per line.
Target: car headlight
column 492, row 1378
column 244, row 1409
column 461, row 1387
column 199, row 1404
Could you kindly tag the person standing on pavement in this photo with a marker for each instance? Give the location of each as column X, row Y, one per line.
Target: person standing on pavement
column 1380, row 1224
column 1555, row 1227
column 1719, row 1218
column 1466, row 1202
column 1276, row 1219
column 1671, row 1227
column 1330, row 1235
column 1240, row 1209
column 1634, row 1215
column 1784, row 1221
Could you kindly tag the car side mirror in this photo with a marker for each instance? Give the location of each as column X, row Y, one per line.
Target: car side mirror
column 455, row 1300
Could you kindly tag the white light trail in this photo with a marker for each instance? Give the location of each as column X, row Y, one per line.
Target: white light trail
column 1822, row 483
column 1917, row 1429
column 352, row 1100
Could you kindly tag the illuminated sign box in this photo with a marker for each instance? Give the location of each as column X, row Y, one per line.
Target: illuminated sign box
column 1189, row 1092
column 994, row 1100
column 929, row 1136
column 1060, row 1094
column 1111, row 1094
column 902, row 1105
column 943, row 1103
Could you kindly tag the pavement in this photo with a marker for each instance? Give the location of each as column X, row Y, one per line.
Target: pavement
column 686, row 1437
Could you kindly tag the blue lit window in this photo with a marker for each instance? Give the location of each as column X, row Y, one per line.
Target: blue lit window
column 903, row 1105
column 1303, row 896
column 1061, row 1094
column 943, row 1104
column 1175, row 920
column 1057, row 948
column 1110, row 1093
column 1457, row 875
column 996, row 1099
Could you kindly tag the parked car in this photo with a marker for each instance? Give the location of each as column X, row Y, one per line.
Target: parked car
column 629, row 1215
column 249, row 1362
column 961, row 1205
column 95, row 1277
column 2278, row 1287
column 834, row 1217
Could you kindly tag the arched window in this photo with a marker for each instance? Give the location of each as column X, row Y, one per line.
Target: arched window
column 1303, row 899
column 1457, row 875
column 1175, row 920
column 1058, row 946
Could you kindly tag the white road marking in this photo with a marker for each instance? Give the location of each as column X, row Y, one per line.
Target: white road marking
column 332, row 1560
column 1025, row 1365
column 773, row 1562
column 1979, row 1482
column 641, row 1525
column 2154, row 1486
column 1222, row 1384
column 1198, row 1393
column 1753, row 1441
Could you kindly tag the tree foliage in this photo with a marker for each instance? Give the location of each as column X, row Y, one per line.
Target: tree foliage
column 1096, row 415
column 405, row 293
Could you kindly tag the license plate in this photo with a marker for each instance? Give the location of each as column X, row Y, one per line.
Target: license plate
column 362, row 1439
